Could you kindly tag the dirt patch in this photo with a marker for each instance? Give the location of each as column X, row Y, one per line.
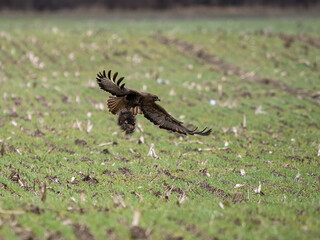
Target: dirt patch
column 147, row 57
column 7, row 149
column 65, row 99
column 90, row 180
column 197, row 232
column 171, row 236
column 42, row 100
column 122, row 159
column 34, row 209
column 229, row 68
column 54, row 179
column 238, row 197
column 167, row 173
column 155, row 193
column 82, row 232
column 20, row 231
column 290, row 38
column 112, row 234
column 139, row 233
column 37, row 133
column 17, row 101
column 80, row 142
column 277, row 174
column 55, row 236
column 105, row 151
column 201, row 53
column 86, row 159
column 218, row 192
column 108, row 172
column 16, row 177
column 125, row 171
column 173, row 189
column 25, row 234
column 192, row 229
column 170, row 175
column 66, row 150
column 316, row 95
column 2, row 150
column 2, row 121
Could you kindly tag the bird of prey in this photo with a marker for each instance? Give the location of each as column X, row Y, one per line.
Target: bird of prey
column 127, row 103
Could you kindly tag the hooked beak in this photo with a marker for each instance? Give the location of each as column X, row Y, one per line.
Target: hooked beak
column 158, row 99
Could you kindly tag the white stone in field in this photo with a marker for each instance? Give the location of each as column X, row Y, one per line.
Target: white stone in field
column 152, row 152
column 71, row 56
column 55, row 30
column 190, row 66
column 260, row 111
column 258, row 189
column 213, row 102
column 172, row 92
column 89, row 126
column 89, row 33
column 141, row 139
column 78, row 100
column 18, row 151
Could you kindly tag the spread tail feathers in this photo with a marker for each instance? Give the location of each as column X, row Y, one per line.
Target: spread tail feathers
column 116, row 104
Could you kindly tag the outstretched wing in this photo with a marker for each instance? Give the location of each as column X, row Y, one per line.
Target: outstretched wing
column 110, row 84
column 159, row 116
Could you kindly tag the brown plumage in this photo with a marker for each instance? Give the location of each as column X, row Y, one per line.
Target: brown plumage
column 126, row 100
column 127, row 121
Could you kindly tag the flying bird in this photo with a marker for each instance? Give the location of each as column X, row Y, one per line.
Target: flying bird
column 127, row 103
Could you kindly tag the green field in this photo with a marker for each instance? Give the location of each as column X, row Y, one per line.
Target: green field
column 68, row 172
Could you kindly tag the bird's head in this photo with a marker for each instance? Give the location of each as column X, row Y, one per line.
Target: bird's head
column 155, row 98
column 150, row 97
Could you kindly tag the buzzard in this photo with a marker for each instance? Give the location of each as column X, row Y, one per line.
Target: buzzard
column 127, row 103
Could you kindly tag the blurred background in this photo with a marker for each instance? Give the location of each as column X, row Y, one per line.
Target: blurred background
column 54, row 5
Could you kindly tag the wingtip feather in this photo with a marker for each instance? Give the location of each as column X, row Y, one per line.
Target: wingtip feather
column 204, row 132
column 115, row 76
column 120, row 80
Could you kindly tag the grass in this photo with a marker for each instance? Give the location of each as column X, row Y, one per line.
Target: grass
column 68, row 172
